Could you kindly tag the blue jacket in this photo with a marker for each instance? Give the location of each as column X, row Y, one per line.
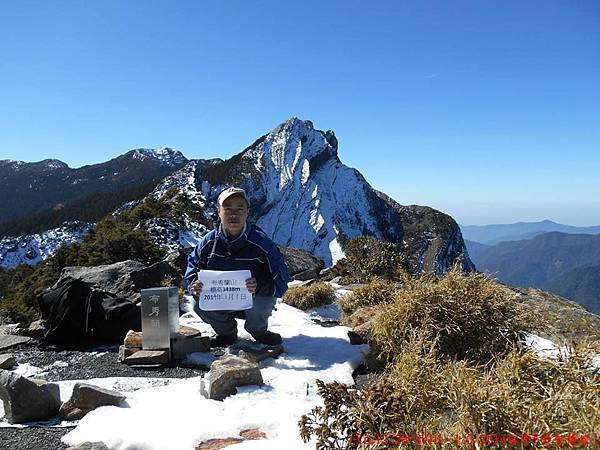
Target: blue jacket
column 252, row 250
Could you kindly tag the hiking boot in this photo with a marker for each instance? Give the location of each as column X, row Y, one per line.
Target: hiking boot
column 223, row 340
column 267, row 338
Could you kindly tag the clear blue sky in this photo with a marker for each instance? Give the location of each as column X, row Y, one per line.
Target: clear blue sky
column 486, row 110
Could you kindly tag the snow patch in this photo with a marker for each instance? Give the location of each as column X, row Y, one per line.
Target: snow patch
column 311, row 352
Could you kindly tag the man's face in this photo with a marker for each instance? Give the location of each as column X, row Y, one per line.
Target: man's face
column 233, row 214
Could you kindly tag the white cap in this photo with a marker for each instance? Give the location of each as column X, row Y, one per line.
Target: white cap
column 229, row 192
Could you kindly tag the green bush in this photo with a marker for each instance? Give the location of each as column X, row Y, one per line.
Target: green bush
column 309, row 296
column 366, row 257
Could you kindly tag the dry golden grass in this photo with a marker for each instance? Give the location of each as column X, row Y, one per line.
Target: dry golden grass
column 463, row 316
column 309, row 296
column 373, row 293
column 454, row 369
column 518, row 394
column 360, row 316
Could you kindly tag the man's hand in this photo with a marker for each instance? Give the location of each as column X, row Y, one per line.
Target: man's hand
column 196, row 288
column 251, row 285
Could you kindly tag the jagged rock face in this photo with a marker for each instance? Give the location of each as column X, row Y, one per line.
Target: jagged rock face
column 432, row 240
column 302, row 196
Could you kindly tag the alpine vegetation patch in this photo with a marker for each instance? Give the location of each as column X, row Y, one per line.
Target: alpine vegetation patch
column 310, row 296
column 529, row 400
column 367, row 257
column 463, row 316
column 453, row 367
column 375, row 292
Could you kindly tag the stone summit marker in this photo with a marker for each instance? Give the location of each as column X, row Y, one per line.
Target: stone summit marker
column 160, row 317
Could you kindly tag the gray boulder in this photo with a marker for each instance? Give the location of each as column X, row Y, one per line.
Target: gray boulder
column 85, row 398
column 301, row 264
column 7, row 361
column 8, row 341
column 125, row 278
column 227, row 374
column 27, row 399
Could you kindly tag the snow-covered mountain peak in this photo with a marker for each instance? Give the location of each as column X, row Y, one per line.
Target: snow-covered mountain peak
column 167, row 156
column 54, row 164
column 183, row 180
column 48, row 163
column 292, row 150
column 303, row 196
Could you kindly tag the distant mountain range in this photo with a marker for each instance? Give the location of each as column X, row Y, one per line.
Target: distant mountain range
column 566, row 264
column 302, row 196
column 50, row 192
column 493, row 234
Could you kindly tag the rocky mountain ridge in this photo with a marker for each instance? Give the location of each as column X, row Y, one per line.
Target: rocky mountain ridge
column 303, row 196
column 31, row 188
column 557, row 262
column 494, row 234
column 33, row 249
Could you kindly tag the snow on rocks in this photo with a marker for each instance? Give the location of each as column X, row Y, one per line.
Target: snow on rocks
column 86, row 398
column 34, row 248
column 184, row 181
column 546, row 349
column 165, row 155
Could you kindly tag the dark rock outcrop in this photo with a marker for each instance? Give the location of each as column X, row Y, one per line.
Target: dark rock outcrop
column 125, row 278
column 301, row 264
column 7, row 361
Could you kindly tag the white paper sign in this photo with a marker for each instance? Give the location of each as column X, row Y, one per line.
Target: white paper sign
column 224, row 290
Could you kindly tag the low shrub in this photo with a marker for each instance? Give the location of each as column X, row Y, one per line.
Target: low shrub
column 309, row 296
column 367, row 257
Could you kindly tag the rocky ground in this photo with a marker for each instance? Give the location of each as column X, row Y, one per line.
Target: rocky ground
column 99, row 362
column 73, row 365
column 32, row 438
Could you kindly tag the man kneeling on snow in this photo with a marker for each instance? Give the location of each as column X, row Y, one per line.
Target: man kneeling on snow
column 239, row 245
